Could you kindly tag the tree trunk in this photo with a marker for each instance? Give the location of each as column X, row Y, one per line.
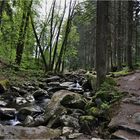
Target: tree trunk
column 22, row 33
column 101, row 40
column 130, row 32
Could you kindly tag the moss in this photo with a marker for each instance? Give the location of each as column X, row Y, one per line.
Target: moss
column 123, row 72
column 73, row 101
column 5, row 84
column 87, row 118
column 89, row 105
column 94, row 111
column 110, row 81
column 92, row 79
column 104, row 106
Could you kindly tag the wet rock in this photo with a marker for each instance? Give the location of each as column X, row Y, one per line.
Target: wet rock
column 70, row 121
column 52, row 79
column 40, row 93
column 31, row 88
column 54, row 84
column 6, row 113
column 75, row 135
column 136, row 118
column 67, row 130
column 3, row 103
column 20, row 100
column 30, row 98
column 25, row 111
column 75, row 89
column 19, row 90
column 29, row 119
column 66, row 84
column 39, row 120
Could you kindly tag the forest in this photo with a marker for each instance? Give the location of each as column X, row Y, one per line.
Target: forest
column 70, row 69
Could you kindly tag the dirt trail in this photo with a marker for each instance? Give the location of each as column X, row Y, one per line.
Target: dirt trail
column 127, row 120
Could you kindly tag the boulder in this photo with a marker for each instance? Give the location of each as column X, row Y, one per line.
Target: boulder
column 70, row 121
column 40, row 93
column 30, row 110
column 67, row 130
column 52, row 79
column 19, row 132
column 58, row 103
column 7, row 113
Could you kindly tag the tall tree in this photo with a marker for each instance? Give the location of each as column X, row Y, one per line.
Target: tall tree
column 22, row 32
column 101, row 40
column 130, row 33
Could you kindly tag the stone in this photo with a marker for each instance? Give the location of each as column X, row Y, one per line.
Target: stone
column 30, row 98
column 73, row 101
column 19, row 132
column 66, row 84
column 29, row 119
column 20, row 100
column 7, row 112
column 3, row 103
column 67, row 130
column 19, row 90
column 25, row 111
column 54, row 84
column 87, row 94
column 136, row 118
column 70, row 121
column 75, row 135
column 55, row 108
column 40, row 93
column 92, row 79
column 52, row 79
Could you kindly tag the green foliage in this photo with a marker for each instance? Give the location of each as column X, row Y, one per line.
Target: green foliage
column 123, row 72
column 107, row 92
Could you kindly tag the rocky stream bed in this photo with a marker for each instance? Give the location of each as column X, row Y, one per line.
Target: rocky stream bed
column 53, row 107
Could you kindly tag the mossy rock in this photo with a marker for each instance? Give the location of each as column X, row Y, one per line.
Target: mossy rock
column 104, row 106
column 4, row 85
column 94, row 111
column 92, row 79
column 87, row 119
column 75, row 101
column 89, row 105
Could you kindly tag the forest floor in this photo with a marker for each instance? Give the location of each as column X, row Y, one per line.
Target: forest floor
column 124, row 125
column 127, row 119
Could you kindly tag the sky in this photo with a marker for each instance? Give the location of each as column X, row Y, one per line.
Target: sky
column 46, row 4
